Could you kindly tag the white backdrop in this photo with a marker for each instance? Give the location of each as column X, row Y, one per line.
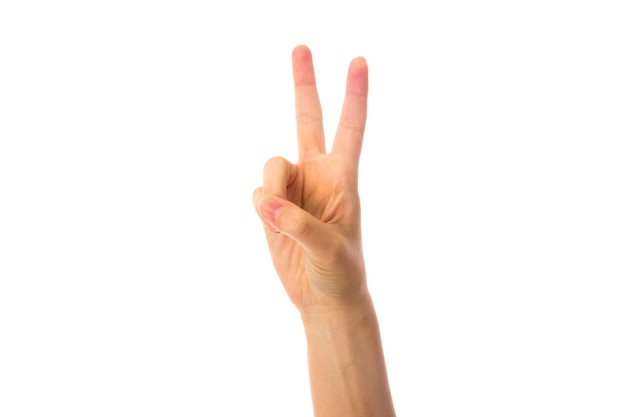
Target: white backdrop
column 134, row 278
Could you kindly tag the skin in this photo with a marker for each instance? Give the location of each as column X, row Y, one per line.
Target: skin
column 311, row 213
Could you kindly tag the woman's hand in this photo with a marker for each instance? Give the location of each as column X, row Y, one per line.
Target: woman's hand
column 311, row 209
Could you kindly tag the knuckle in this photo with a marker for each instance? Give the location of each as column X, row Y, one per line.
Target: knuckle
column 273, row 162
column 351, row 125
column 307, row 118
column 300, row 227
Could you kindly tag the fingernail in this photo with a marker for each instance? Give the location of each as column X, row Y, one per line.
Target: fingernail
column 270, row 209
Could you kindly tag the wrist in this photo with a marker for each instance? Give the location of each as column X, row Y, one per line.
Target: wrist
column 347, row 316
column 346, row 362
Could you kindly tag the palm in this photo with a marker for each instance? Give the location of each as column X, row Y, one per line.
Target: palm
column 322, row 189
column 325, row 186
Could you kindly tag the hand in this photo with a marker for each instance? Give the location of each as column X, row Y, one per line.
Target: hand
column 311, row 209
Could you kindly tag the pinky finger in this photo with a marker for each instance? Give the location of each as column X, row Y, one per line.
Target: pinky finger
column 257, row 195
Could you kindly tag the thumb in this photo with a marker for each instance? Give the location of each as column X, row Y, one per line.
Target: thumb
column 294, row 222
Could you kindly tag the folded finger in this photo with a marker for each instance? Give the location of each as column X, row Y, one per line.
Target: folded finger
column 257, row 195
column 278, row 173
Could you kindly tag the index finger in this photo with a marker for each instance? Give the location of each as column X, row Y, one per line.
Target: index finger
column 309, row 124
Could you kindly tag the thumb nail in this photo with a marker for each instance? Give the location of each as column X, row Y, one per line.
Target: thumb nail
column 270, row 209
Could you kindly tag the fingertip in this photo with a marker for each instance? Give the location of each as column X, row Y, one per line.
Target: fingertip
column 359, row 61
column 302, row 60
column 358, row 76
column 301, row 51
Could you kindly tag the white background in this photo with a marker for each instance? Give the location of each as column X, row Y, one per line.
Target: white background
column 134, row 278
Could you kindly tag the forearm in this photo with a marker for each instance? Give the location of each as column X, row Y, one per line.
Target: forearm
column 346, row 362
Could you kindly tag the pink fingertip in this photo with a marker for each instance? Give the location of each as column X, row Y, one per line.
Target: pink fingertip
column 270, row 209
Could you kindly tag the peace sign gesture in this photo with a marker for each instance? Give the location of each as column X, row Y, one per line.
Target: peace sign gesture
column 311, row 209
